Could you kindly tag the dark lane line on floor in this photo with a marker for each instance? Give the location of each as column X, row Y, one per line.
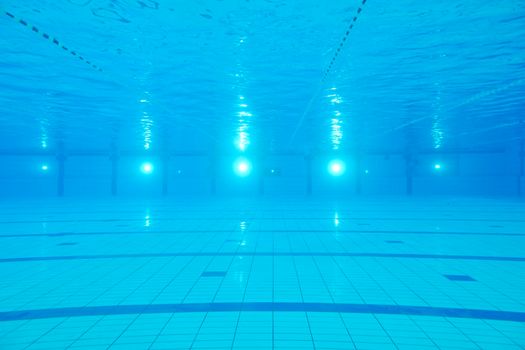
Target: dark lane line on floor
column 272, row 254
column 61, row 234
column 263, row 306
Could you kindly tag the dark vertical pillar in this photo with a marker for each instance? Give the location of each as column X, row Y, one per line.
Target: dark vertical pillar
column 261, row 182
column 359, row 175
column 522, row 167
column 114, row 173
column 308, row 164
column 165, row 174
column 409, row 174
column 411, row 137
column 261, row 173
column 213, row 175
column 61, row 159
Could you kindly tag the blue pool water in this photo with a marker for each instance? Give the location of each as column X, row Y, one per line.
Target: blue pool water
column 263, row 174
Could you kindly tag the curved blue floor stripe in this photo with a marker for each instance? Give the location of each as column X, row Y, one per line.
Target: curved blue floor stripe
column 163, row 255
column 263, row 306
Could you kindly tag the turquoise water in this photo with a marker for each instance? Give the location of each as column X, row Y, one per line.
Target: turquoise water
column 262, row 174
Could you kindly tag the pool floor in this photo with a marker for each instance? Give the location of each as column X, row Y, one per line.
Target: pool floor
column 377, row 273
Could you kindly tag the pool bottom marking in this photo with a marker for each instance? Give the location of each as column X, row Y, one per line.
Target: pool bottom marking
column 264, row 307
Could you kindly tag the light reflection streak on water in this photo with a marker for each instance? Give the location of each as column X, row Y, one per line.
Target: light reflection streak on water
column 336, row 120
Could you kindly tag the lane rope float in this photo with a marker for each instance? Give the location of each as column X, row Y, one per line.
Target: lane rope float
column 327, row 72
column 51, row 39
column 343, row 40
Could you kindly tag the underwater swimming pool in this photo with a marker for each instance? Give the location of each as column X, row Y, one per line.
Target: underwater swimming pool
column 262, row 174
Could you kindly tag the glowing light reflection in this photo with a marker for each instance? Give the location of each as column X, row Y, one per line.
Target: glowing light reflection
column 147, row 124
column 437, row 132
column 437, row 128
column 44, row 136
column 336, row 167
column 336, row 220
column 146, row 121
column 242, row 167
column 146, row 168
column 336, row 122
column 243, row 136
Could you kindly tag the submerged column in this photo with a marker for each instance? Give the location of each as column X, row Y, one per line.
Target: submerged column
column 522, row 167
column 61, row 159
column 359, row 175
column 308, row 163
column 165, row 174
column 213, row 175
column 114, row 173
column 261, row 182
column 261, row 174
column 409, row 173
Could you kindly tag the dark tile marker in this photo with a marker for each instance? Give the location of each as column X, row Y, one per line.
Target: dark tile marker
column 465, row 278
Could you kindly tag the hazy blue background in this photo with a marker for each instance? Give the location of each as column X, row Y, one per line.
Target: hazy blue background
column 191, row 85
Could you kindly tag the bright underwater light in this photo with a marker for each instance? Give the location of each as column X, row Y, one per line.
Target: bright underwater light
column 44, row 167
column 336, row 167
column 437, row 166
column 242, row 166
column 146, row 168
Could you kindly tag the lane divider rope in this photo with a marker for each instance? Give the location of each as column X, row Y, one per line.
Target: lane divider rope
column 343, row 40
column 326, row 73
column 51, row 39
